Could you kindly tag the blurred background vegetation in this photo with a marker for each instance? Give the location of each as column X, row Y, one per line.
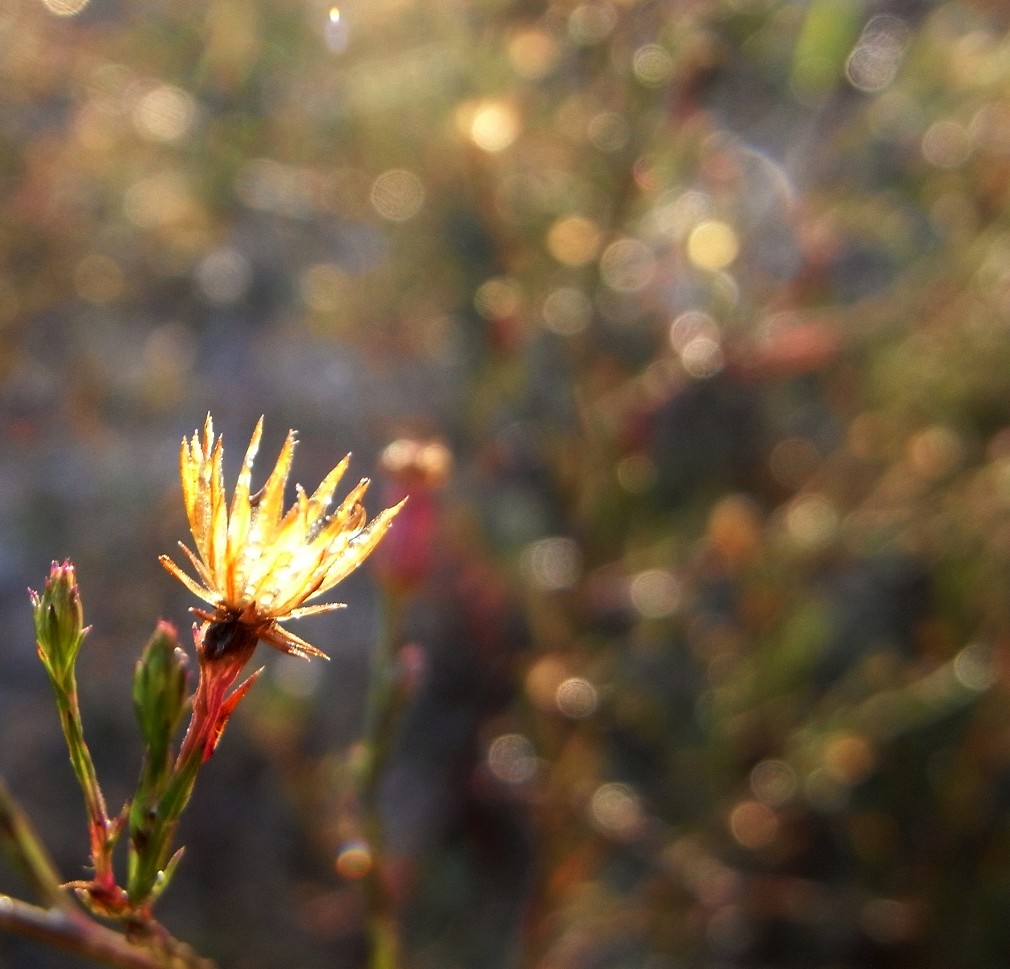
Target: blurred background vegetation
column 706, row 658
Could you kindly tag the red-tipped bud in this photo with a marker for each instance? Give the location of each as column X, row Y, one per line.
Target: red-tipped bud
column 59, row 620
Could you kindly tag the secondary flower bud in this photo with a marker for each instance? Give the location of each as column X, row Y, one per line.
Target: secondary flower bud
column 59, row 620
column 160, row 687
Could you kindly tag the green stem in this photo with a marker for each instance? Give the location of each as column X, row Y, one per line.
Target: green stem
column 103, row 832
column 151, row 839
column 155, row 816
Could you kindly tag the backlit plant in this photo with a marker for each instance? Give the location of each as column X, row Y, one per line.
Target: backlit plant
column 257, row 565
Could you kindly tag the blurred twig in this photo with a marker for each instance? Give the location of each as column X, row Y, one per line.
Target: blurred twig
column 61, row 923
column 381, row 717
column 75, row 932
column 27, row 854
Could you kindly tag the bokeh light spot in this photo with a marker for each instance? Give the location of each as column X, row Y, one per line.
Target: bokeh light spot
column 753, row 824
column 652, row 65
column 65, row 8
column 590, row 23
column 735, row 530
column 874, row 61
column 263, row 183
column 702, row 357
column 935, row 452
column 656, row 593
column 498, row 299
column 164, row 113
column 576, row 698
column 627, row 265
column 492, row 125
column 553, row 564
column 533, row 54
column 849, row 758
column 712, row 245
column 695, row 336
column 427, row 462
column 609, row 131
column 574, row 240
column 567, row 311
column 224, row 276
column 397, row 195
column 616, row 811
column 512, row 759
column 354, row 860
column 543, row 679
column 811, row 520
column 973, row 667
column 636, row 473
column 711, row 881
column 677, row 216
column 691, row 325
column 773, row 782
column 824, row 792
column 946, row 144
column 335, row 31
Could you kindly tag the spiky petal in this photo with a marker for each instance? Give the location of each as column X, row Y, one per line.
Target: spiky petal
column 256, row 563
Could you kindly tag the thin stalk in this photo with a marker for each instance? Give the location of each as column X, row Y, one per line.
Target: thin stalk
column 381, row 717
column 101, row 829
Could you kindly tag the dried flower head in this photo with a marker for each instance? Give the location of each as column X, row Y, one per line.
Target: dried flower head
column 256, row 564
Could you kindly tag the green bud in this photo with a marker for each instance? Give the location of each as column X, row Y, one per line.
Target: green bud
column 160, row 690
column 59, row 620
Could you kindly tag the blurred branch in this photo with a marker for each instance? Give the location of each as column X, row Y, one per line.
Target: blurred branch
column 75, row 932
column 63, row 925
column 27, row 853
column 381, row 717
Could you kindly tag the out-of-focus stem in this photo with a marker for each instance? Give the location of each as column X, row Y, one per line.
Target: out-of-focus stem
column 27, row 853
column 381, row 716
column 382, row 702
column 74, row 932
column 60, row 922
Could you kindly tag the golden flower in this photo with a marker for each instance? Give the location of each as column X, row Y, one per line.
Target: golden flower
column 257, row 564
